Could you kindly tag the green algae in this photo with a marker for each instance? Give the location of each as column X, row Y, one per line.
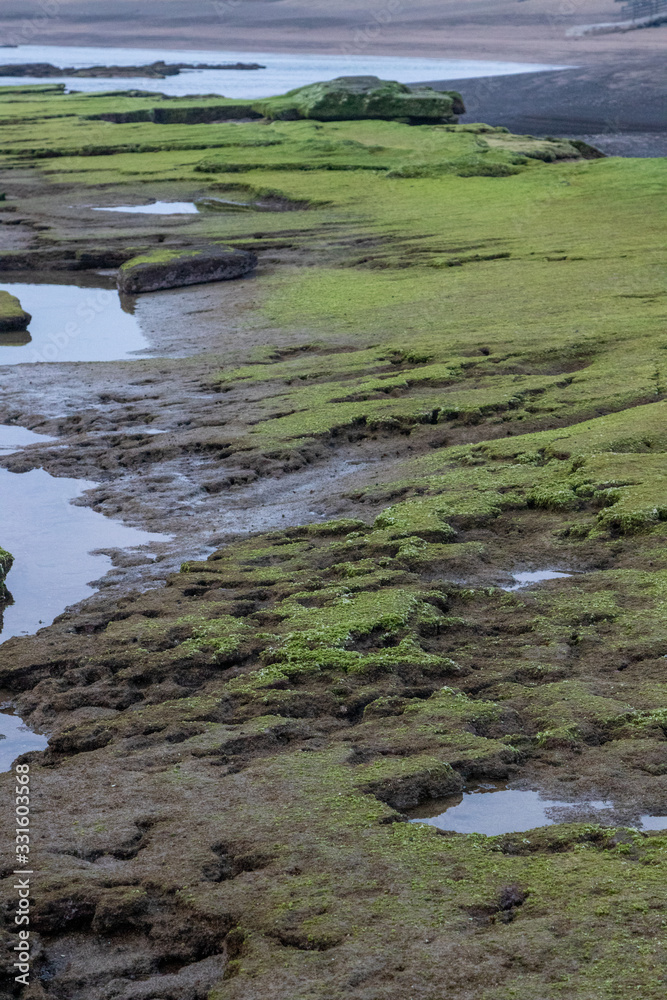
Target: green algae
column 161, row 256
column 363, row 97
column 322, row 815
column 12, row 315
column 323, row 650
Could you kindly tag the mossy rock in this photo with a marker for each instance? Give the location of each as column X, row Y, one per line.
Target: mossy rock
column 12, row 316
column 6, row 562
column 174, row 268
column 360, row 97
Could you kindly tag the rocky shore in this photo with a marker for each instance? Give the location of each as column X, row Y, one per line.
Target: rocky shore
column 444, row 371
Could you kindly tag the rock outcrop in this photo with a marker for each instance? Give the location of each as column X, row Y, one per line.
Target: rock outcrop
column 359, row 97
column 6, row 562
column 174, row 268
column 12, row 316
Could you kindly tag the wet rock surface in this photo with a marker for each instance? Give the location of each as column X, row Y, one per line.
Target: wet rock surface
column 173, row 268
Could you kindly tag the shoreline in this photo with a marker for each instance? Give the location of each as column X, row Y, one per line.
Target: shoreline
column 496, row 29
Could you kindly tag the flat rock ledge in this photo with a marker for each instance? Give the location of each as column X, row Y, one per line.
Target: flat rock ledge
column 12, row 316
column 174, row 268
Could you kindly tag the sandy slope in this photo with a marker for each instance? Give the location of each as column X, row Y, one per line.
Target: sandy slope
column 531, row 30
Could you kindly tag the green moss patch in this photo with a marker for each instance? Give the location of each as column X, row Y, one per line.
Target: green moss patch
column 12, row 316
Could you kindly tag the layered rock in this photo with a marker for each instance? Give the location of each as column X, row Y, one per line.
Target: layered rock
column 174, row 268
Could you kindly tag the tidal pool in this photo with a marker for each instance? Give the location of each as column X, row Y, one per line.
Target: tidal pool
column 54, row 544
column 497, row 809
column 71, row 323
column 12, row 438
column 16, row 738
column 535, row 576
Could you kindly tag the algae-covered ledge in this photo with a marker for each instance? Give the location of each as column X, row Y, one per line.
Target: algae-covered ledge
column 474, row 319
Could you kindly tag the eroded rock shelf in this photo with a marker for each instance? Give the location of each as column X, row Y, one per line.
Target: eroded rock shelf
column 443, row 378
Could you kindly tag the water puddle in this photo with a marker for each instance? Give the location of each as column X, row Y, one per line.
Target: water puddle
column 497, row 809
column 155, row 208
column 71, row 323
column 16, row 738
column 201, row 206
column 14, row 438
column 55, row 546
column 536, row 576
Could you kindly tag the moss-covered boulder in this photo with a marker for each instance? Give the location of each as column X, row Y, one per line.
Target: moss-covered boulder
column 174, row 268
column 6, row 561
column 12, row 316
column 359, row 97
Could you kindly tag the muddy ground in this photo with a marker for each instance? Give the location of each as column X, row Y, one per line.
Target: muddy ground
column 106, row 416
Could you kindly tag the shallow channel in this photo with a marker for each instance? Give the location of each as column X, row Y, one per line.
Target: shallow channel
column 16, row 738
column 496, row 809
column 71, row 322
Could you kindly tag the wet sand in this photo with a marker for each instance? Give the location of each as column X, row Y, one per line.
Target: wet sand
column 617, row 106
column 479, row 29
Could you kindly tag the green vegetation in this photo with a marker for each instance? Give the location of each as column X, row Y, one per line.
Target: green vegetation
column 363, row 97
column 486, row 311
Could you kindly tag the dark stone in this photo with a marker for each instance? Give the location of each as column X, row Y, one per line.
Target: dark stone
column 174, row 268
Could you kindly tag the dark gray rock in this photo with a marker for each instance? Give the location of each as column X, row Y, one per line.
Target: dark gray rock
column 173, row 268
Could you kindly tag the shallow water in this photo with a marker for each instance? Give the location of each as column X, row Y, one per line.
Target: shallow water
column 496, row 809
column 283, row 72
column 155, row 208
column 53, row 542
column 13, row 438
column 71, row 323
column 16, row 738
column 535, row 576
column 184, row 207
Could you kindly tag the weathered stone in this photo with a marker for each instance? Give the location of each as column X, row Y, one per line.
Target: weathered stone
column 12, row 316
column 174, row 268
column 359, row 97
